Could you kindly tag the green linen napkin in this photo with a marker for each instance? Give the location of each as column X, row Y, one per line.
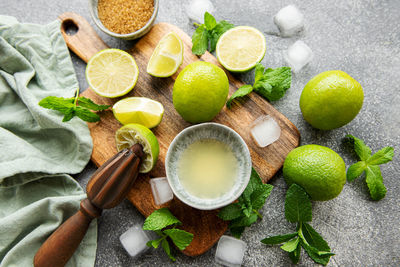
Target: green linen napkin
column 36, row 148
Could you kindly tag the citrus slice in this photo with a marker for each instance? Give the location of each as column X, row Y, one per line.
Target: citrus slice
column 167, row 57
column 141, row 110
column 112, row 73
column 241, row 48
column 132, row 134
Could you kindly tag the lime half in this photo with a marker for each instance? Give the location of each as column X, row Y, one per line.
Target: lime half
column 132, row 134
column 141, row 110
column 167, row 57
column 241, row 48
column 112, row 73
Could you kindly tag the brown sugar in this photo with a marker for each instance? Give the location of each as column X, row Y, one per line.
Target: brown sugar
column 125, row 16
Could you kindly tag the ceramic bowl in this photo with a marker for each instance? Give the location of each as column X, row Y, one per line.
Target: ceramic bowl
column 218, row 132
column 128, row 36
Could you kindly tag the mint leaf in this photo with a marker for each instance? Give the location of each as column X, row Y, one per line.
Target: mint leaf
column 314, row 255
column 63, row 105
column 374, row 181
column 278, row 239
column 274, row 83
column 68, row 115
column 370, row 164
column 85, row 114
column 209, row 21
column 207, row 34
column 240, row 92
column 259, row 195
column 313, row 238
column 355, row 170
column 160, row 219
column 382, row 156
column 167, row 249
column 295, row 254
column 259, row 72
column 68, row 107
column 218, row 30
column 297, row 205
column 362, row 150
column 244, row 221
column 89, row 104
column 181, row 238
column 290, row 245
column 237, row 231
column 254, row 182
column 230, row 212
column 200, row 41
column 154, row 243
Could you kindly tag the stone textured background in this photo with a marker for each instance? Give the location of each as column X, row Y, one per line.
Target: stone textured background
column 361, row 38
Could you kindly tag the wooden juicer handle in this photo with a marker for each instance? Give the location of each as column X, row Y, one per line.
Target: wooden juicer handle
column 108, row 186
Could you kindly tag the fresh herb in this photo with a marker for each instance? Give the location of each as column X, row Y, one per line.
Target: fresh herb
column 370, row 165
column 271, row 84
column 206, row 35
column 245, row 212
column 160, row 219
column 298, row 210
column 75, row 106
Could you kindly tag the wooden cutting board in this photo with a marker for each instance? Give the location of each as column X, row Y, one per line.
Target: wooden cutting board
column 205, row 225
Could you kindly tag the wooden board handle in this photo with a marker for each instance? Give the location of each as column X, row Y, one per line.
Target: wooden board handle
column 85, row 42
column 61, row 245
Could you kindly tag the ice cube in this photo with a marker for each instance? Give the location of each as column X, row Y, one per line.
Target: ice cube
column 265, row 130
column 134, row 241
column 289, row 20
column 162, row 192
column 196, row 9
column 298, row 55
column 230, row 251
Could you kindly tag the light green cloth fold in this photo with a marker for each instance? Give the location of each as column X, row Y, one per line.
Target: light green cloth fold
column 36, row 147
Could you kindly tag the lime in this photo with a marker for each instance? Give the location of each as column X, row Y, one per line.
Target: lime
column 200, row 91
column 141, row 110
column 112, row 73
column 132, row 134
column 318, row 169
column 331, row 99
column 241, row 48
column 167, row 56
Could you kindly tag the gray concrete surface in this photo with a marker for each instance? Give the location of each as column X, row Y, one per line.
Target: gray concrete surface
column 359, row 37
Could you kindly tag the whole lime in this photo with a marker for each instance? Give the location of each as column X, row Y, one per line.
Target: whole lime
column 331, row 99
column 318, row 169
column 200, row 91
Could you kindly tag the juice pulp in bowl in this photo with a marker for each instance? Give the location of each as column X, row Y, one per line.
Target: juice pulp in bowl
column 208, row 166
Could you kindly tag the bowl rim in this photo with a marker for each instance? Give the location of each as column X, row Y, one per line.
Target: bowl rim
column 232, row 197
column 137, row 33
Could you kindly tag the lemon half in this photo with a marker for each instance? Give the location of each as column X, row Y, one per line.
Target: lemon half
column 241, row 48
column 112, row 73
column 132, row 134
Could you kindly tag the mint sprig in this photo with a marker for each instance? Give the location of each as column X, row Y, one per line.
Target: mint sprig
column 75, row 106
column 206, row 35
column 370, row 165
column 298, row 210
column 161, row 219
column 244, row 213
column 271, row 84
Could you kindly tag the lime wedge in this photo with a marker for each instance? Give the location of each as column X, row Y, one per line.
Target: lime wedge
column 241, row 48
column 141, row 110
column 132, row 134
column 112, row 73
column 167, row 57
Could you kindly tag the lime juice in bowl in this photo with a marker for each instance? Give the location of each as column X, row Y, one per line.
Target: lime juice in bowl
column 208, row 166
